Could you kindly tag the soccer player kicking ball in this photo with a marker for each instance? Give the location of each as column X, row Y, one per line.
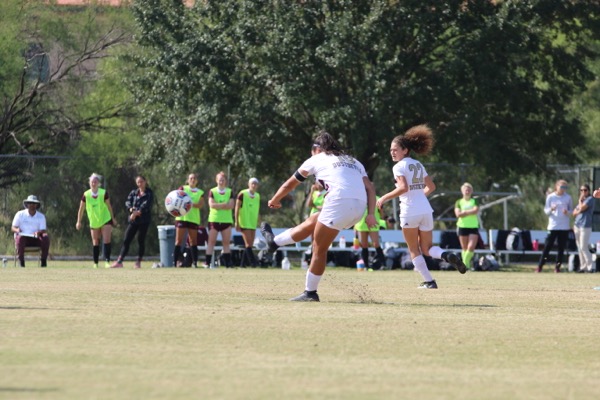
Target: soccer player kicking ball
column 349, row 193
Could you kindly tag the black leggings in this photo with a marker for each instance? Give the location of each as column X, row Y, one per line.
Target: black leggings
column 132, row 229
column 562, row 237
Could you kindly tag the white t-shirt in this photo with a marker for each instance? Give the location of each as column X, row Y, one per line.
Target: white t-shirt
column 341, row 176
column 29, row 224
column 557, row 220
column 414, row 201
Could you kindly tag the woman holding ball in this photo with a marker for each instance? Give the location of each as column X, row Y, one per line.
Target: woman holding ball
column 189, row 222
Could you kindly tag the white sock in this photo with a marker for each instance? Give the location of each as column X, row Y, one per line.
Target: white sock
column 284, row 238
column 421, row 267
column 312, row 281
column 436, row 252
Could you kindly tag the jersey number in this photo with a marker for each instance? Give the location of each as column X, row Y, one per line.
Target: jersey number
column 417, row 170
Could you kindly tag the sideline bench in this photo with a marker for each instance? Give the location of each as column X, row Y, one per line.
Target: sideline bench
column 395, row 237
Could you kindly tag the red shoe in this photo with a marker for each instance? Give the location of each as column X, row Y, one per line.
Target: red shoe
column 557, row 270
column 117, row 264
column 137, row 265
column 538, row 269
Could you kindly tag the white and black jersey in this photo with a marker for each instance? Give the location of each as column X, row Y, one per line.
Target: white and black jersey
column 341, row 176
column 413, row 201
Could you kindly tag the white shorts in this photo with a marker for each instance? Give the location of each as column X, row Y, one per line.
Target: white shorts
column 341, row 213
column 422, row 221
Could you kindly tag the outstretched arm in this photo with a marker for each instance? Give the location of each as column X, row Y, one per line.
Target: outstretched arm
column 286, row 188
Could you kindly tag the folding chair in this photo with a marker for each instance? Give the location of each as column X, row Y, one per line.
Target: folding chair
column 30, row 250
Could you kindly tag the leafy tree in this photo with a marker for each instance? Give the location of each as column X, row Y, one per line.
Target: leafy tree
column 48, row 66
column 247, row 82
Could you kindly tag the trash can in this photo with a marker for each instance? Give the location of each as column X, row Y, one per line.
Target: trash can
column 166, row 239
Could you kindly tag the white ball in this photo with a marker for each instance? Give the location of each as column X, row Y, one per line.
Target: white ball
column 178, row 203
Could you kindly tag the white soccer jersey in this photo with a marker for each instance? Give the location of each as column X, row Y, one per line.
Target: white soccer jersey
column 341, row 176
column 414, row 201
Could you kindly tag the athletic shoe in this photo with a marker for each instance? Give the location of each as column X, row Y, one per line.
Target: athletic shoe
column 95, row 265
column 267, row 233
column 117, row 264
column 457, row 262
column 428, row 285
column 538, row 269
column 137, row 265
column 557, row 270
column 106, row 264
column 306, row 296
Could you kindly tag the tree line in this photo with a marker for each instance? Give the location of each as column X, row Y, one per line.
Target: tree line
column 509, row 87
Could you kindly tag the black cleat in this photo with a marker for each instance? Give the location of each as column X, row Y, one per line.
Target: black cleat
column 428, row 285
column 457, row 262
column 267, row 233
column 308, row 296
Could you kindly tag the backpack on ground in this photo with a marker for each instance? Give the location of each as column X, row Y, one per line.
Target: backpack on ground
column 488, row 263
column 518, row 240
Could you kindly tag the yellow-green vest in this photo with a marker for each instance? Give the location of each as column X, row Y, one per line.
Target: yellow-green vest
column 220, row 216
column 96, row 208
column 361, row 226
column 193, row 215
column 248, row 213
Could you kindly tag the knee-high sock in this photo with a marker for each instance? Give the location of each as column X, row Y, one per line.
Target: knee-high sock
column 208, row 260
column 194, row 255
column 176, row 254
column 227, row 259
column 467, row 256
column 380, row 255
column 284, row 238
column 107, row 251
column 249, row 255
column 312, row 281
column 96, row 253
column 421, row 267
column 436, row 252
column 364, row 253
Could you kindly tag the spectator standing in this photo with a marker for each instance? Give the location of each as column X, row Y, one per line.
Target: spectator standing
column 96, row 203
column 466, row 210
column 189, row 223
column 583, row 228
column 558, row 208
column 349, row 192
column 220, row 219
column 139, row 207
column 247, row 207
column 413, row 185
column 29, row 228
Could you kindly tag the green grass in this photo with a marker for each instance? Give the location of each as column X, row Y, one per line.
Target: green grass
column 68, row 332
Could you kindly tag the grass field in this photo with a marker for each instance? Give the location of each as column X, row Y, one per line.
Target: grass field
column 68, row 332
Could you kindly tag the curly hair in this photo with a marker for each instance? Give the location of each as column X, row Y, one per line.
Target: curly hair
column 418, row 139
column 328, row 144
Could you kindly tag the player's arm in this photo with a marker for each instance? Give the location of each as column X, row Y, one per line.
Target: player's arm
column 289, row 185
column 371, row 201
column 429, row 186
column 401, row 188
column 80, row 214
